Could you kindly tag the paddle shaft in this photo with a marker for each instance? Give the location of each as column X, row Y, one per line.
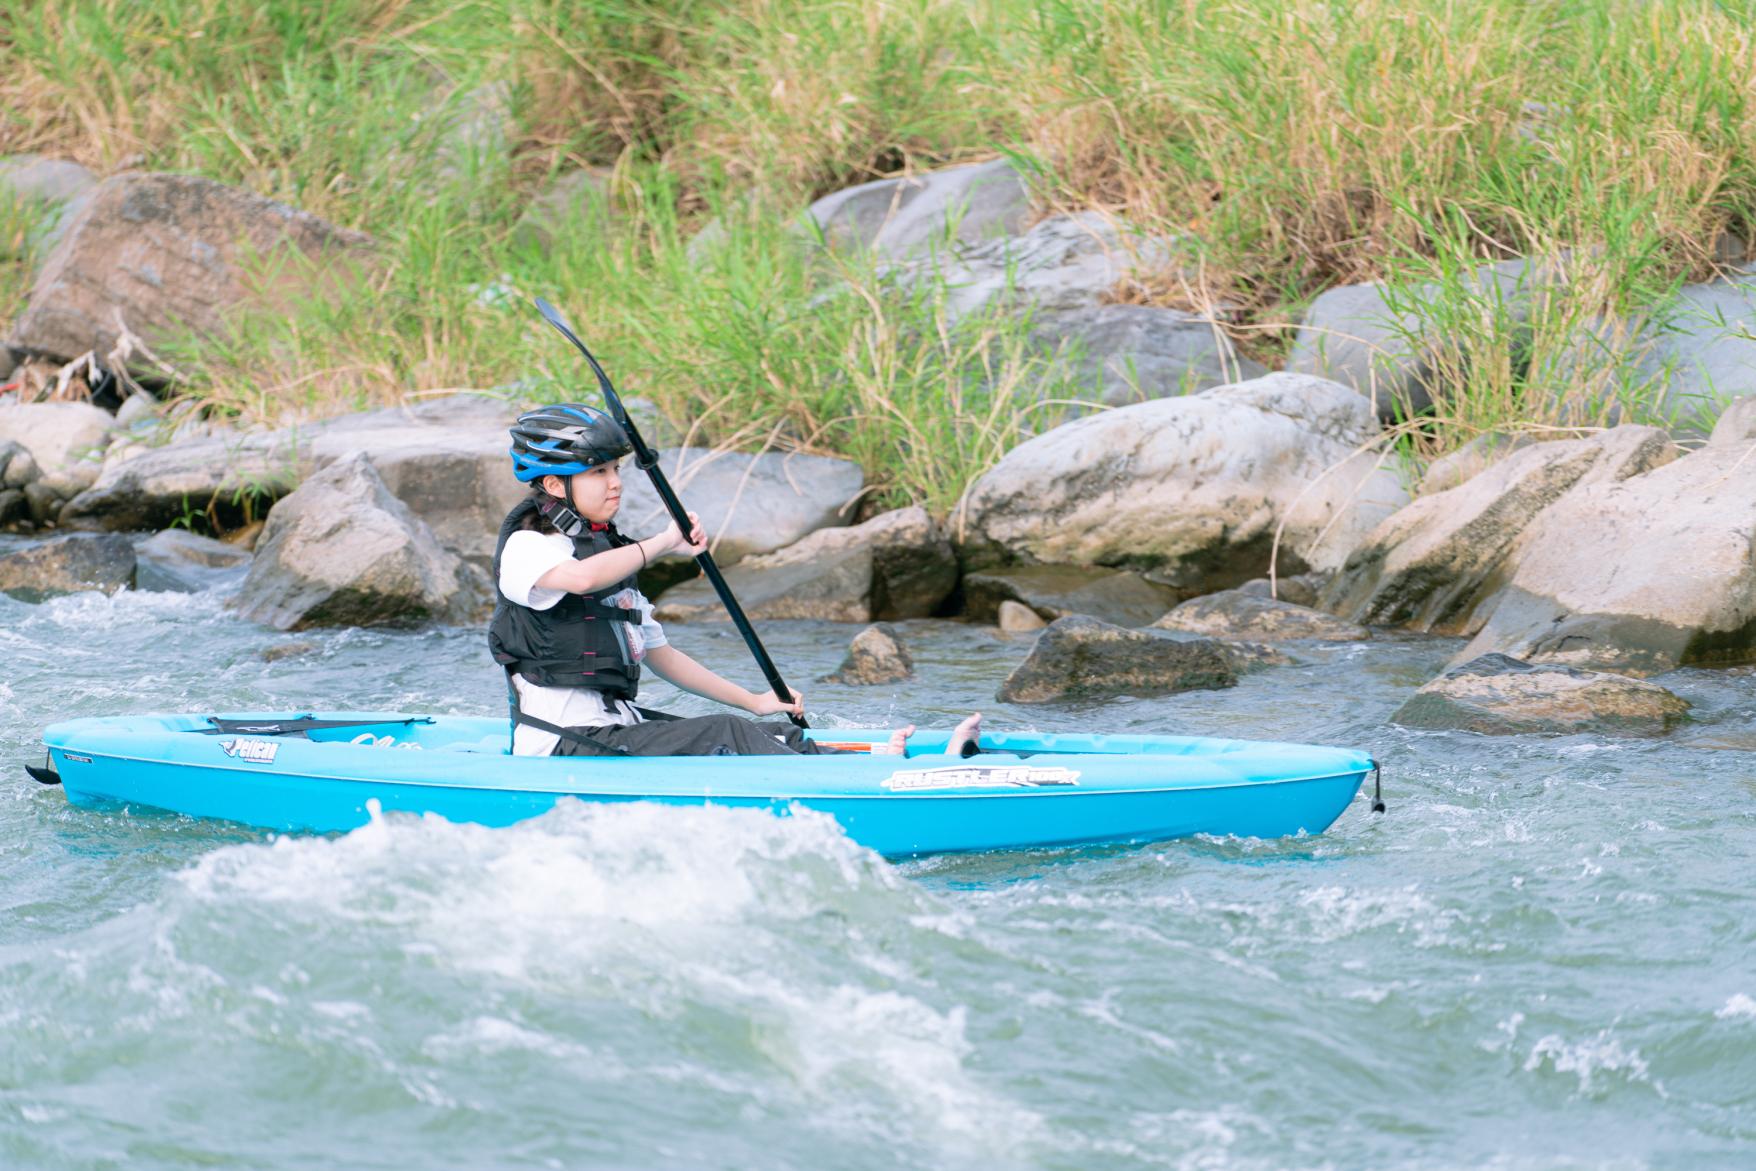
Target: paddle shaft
column 710, row 570
column 648, row 461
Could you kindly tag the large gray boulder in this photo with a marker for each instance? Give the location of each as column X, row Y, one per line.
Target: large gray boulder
column 1500, row 696
column 1061, row 264
column 1301, row 589
column 179, row 561
column 1058, row 591
column 1065, row 262
column 175, row 253
column 69, row 564
column 14, row 506
column 43, row 502
column 1470, row 461
column 896, row 565
column 1640, row 574
column 228, row 478
column 38, row 179
column 1192, row 490
column 65, row 440
column 17, row 467
column 444, row 458
column 60, row 187
column 562, row 207
column 1237, row 614
column 1080, row 658
column 343, row 551
column 1438, row 564
column 473, row 132
column 900, row 218
column 1130, row 353
column 747, row 503
column 1737, row 423
column 1706, row 352
column 1352, row 334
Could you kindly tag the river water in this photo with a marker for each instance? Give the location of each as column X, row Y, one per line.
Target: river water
column 1543, row 956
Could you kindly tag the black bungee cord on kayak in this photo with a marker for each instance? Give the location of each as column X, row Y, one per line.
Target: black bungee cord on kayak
column 296, row 726
column 647, row 459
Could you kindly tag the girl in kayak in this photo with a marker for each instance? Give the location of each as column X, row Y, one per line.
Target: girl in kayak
column 573, row 630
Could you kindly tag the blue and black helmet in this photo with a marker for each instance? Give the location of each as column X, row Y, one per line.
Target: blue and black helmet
column 564, row 440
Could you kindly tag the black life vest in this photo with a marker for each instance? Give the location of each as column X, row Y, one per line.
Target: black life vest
column 577, row 642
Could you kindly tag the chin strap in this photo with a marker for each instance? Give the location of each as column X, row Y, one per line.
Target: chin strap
column 556, row 512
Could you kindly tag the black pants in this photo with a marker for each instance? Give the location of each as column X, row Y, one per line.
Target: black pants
column 719, row 735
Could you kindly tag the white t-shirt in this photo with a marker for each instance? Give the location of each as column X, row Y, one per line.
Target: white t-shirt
column 527, row 556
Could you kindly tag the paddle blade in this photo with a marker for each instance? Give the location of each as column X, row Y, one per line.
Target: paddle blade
column 553, row 316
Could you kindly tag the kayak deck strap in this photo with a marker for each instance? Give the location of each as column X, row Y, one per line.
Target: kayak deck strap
column 296, row 726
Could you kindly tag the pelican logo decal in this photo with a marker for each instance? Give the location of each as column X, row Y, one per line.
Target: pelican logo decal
column 254, row 751
column 996, row 776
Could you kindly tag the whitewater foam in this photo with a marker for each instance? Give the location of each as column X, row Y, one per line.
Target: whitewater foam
column 1588, row 1059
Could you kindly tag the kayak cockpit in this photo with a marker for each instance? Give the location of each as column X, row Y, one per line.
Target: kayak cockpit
column 488, row 736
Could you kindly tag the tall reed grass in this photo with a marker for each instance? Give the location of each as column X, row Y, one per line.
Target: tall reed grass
column 1289, row 145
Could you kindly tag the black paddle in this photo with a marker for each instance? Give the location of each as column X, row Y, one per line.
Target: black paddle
column 648, row 461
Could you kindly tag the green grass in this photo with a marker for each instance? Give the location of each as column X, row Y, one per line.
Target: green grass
column 1290, row 144
column 22, row 223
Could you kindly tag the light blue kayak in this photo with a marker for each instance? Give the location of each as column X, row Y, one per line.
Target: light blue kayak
column 1024, row 789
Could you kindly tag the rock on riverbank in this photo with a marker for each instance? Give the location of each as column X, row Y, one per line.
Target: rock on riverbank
column 1080, row 658
column 1642, row 574
column 162, row 253
column 69, row 564
column 747, row 503
column 1192, row 490
column 51, row 451
column 1501, row 696
column 1060, row 591
column 876, row 656
column 1438, row 564
column 896, row 565
column 1237, row 614
column 180, row 561
column 343, row 551
column 1352, row 334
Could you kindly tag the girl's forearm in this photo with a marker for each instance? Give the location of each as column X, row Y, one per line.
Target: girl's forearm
column 590, row 574
column 679, row 670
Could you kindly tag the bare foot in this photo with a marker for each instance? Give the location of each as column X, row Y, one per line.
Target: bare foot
column 898, row 745
column 965, row 736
